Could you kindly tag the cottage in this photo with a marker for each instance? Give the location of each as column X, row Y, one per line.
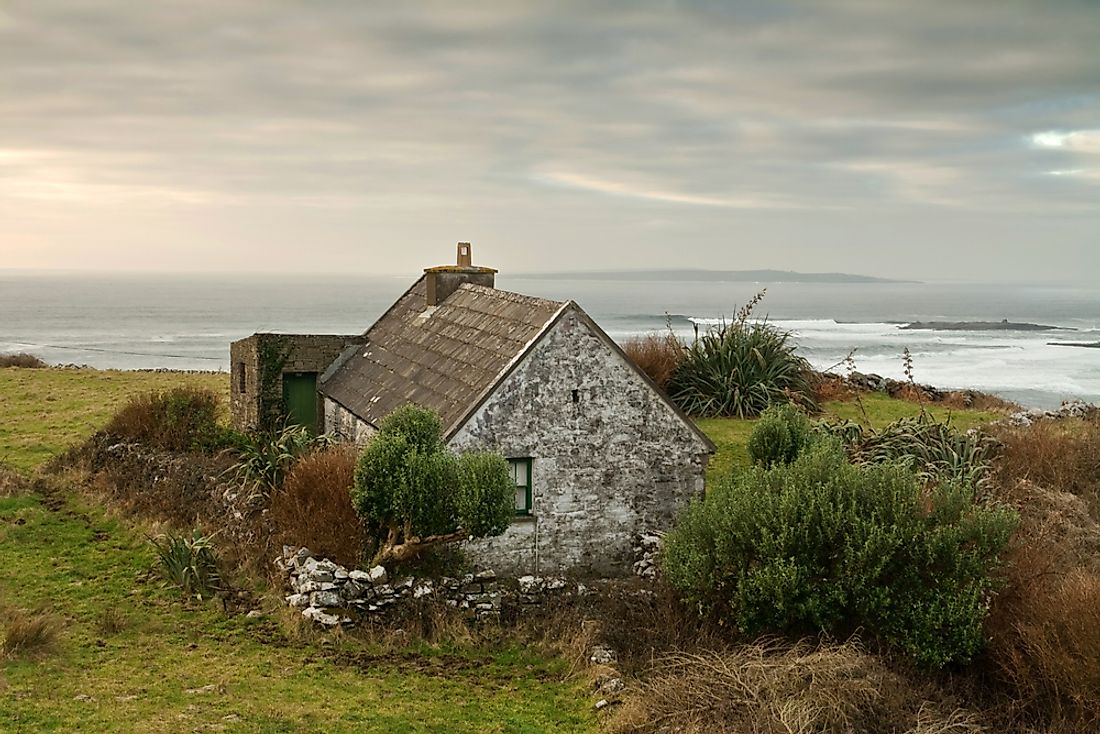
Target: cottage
column 598, row 452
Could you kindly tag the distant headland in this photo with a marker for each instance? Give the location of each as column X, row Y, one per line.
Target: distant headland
column 712, row 276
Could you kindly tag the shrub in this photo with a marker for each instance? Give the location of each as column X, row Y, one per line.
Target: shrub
column 189, row 563
column 313, row 506
column 28, row 634
column 27, row 361
column 657, row 355
column 416, row 493
column 779, row 436
column 180, row 419
column 739, row 369
column 266, row 458
column 820, row 544
column 934, row 449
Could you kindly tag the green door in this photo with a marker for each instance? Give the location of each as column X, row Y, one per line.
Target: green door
column 300, row 398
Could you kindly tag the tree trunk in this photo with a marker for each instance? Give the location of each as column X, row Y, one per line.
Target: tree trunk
column 412, row 547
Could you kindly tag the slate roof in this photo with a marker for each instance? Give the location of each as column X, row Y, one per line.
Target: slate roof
column 443, row 358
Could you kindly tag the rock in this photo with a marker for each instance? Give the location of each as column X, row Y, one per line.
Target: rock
column 301, row 556
column 355, row 590
column 612, row 685
column 359, row 576
column 486, row 575
column 528, row 584
column 325, row 599
column 555, row 584
column 424, row 589
column 377, row 575
column 320, row 616
column 602, row 655
column 341, row 574
column 298, row 600
column 254, row 614
column 602, row 704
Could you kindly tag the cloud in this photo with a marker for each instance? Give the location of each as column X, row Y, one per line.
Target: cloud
column 409, row 120
column 1075, row 141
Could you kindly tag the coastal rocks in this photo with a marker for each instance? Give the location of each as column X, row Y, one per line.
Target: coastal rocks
column 1068, row 409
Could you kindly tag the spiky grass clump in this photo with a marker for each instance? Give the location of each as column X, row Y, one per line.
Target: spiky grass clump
column 739, row 368
column 190, row 563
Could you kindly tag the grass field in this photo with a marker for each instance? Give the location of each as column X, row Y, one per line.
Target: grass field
column 131, row 657
column 44, row 411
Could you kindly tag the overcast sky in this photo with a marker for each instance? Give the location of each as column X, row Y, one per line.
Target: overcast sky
column 918, row 139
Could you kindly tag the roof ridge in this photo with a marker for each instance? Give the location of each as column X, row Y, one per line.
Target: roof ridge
column 509, row 295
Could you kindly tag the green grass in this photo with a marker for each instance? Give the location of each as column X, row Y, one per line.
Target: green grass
column 144, row 671
column 133, row 657
column 44, row 411
column 731, row 435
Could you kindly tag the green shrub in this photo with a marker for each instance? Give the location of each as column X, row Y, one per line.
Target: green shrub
column 934, row 449
column 189, row 563
column 180, row 419
column 414, row 492
column 739, row 369
column 779, row 436
column 265, row 459
column 821, row 544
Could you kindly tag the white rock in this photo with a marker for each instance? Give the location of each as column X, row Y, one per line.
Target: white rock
column 325, row 599
column 359, row 576
column 298, row 600
column 528, row 584
column 320, row 616
column 486, row 575
column 424, row 589
column 602, row 655
column 377, row 575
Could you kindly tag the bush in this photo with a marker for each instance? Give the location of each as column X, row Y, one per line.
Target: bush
column 180, row 419
column 779, row 436
column 313, row 506
column 416, row 493
column 933, row 449
column 657, row 355
column 820, row 544
column 266, row 458
column 24, row 360
column 740, row 368
column 189, row 563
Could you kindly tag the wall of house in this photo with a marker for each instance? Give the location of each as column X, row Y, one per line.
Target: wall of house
column 610, row 459
column 342, row 423
column 257, row 366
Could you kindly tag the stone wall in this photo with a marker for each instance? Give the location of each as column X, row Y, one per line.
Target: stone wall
column 610, row 459
column 257, row 364
column 342, row 423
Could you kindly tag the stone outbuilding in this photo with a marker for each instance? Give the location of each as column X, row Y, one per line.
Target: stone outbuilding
column 599, row 454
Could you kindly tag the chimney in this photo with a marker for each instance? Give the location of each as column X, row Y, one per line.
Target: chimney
column 444, row 280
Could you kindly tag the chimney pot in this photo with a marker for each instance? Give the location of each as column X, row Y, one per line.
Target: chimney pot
column 465, row 256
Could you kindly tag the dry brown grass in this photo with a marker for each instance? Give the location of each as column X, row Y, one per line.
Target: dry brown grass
column 24, row 360
column 12, row 483
column 1044, row 628
column 829, row 387
column 657, row 355
column 1062, row 455
column 773, row 687
column 28, row 634
column 313, row 507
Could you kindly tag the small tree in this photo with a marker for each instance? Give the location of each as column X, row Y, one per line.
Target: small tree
column 415, row 493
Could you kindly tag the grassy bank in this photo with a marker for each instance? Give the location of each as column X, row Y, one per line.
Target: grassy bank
column 47, row 410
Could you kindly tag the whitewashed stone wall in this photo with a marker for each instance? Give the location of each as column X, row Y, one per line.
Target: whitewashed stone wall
column 341, row 422
column 607, row 465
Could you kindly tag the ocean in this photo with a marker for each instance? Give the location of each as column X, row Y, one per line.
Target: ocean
column 187, row 322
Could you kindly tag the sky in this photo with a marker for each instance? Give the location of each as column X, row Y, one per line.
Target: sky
column 929, row 139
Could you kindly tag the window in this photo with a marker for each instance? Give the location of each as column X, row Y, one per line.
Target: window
column 521, row 476
column 240, row 377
